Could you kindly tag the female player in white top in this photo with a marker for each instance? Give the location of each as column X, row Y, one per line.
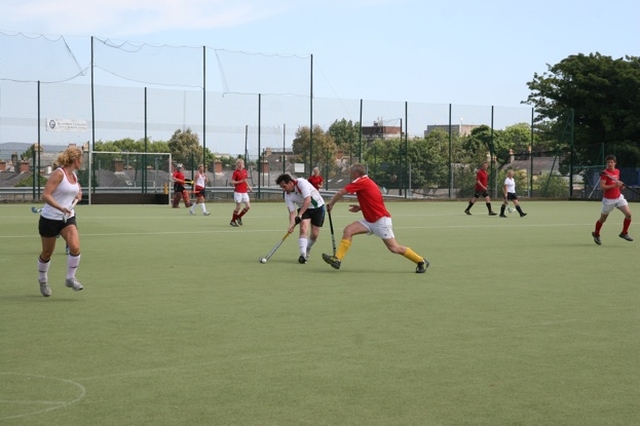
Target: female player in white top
column 59, row 218
column 200, row 182
column 509, row 190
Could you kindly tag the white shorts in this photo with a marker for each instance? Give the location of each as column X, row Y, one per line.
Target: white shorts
column 240, row 197
column 382, row 228
column 608, row 204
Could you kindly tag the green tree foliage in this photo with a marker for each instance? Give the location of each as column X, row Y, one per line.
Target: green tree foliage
column 346, row 135
column 324, row 146
column 551, row 186
column 185, row 148
column 604, row 94
column 478, row 144
column 425, row 160
column 28, row 181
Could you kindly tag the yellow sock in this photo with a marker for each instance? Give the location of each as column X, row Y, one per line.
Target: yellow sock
column 342, row 249
column 412, row 256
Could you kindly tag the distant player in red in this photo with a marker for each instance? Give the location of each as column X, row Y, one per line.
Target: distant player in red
column 178, row 188
column 612, row 198
column 377, row 220
column 481, row 188
column 315, row 179
column 240, row 193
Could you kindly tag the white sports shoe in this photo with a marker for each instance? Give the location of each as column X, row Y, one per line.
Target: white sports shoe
column 44, row 289
column 74, row 284
column 206, row 213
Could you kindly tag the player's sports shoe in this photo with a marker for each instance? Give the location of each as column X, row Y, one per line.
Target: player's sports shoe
column 596, row 238
column 523, row 214
column 233, row 223
column 239, row 221
column 493, row 214
column 503, row 215
column 206, row 213
column 302, row 259
column 331, row 260
column 422, row 266
column 44, row 288
column 467, row 212
column 625, row 237
column 74, row 284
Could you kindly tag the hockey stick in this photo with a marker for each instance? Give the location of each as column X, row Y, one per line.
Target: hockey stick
column 509, row 208
column 333, row 237
column 273, row 250
column 613, row 178
column 65, row 216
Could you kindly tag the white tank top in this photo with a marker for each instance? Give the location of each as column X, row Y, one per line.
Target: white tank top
column 64, row 194
column 201, row 179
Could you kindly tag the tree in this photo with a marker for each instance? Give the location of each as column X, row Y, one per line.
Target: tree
column 185, row 148
column 324, row 146
column 604, row 95
column 346, row 135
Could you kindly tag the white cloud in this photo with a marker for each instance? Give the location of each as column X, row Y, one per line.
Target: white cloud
column 118, row 18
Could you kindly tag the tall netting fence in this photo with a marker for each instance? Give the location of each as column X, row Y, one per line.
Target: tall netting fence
column 101, row 94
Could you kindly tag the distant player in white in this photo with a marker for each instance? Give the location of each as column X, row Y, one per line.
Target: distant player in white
column 509, row 190
column 305, row 205
column 200, row 183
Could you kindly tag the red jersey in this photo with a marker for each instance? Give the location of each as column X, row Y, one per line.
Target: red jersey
column 369, row 198
column 613, row 193
column 483, row 178
column 178, row 176
column 316, row 181
column 240, row 175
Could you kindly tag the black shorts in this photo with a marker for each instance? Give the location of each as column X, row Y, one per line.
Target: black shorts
column 484, row 194
column 178, row 188
column 316, row 216
column 49, row 228
column 199, row 192
column 511, row 196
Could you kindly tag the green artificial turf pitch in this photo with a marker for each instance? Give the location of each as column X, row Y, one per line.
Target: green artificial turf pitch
column 518, row 321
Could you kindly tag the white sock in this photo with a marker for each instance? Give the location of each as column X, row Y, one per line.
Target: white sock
column 204, row 208
column 72, row 265
column 310, row 244
column 43, row 269
column 302, row 243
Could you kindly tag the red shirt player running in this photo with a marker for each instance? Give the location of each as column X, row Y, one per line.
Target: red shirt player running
column 611, row 199
column 377, row 220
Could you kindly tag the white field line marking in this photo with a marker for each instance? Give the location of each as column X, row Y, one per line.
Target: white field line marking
column 54, row 404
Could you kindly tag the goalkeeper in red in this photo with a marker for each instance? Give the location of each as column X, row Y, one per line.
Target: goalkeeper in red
column 377, row 220
column 611, row 199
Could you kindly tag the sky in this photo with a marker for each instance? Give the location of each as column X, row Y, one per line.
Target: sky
column 463, row 52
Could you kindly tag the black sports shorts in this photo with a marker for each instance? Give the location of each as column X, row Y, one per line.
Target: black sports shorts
column 316, row 216
column 51, row 228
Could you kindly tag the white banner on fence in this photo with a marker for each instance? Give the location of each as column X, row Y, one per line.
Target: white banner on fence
column 66, row 125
